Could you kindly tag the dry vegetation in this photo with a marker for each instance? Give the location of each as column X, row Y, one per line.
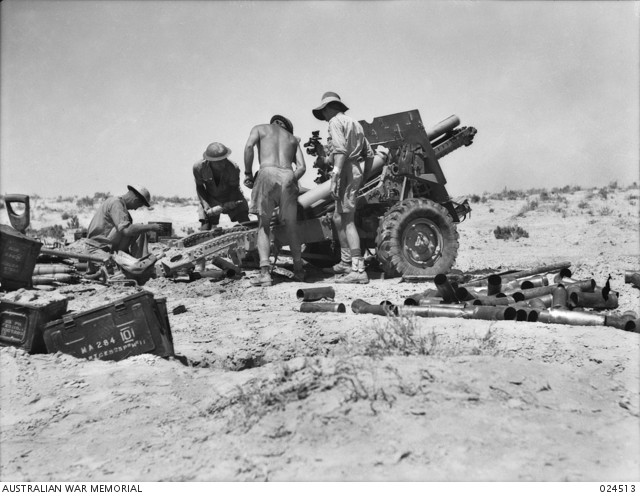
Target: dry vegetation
column 261, row 391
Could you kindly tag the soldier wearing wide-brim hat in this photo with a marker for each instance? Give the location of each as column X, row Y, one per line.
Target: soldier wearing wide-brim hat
column 218, row 187
column 112, row 227
column 349, row 147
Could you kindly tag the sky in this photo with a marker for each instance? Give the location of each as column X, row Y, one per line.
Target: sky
column 98, row 94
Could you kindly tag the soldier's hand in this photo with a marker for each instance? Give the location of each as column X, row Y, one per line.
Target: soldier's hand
column 155, row 227
column 335, row 187
column 248, row 181
column 217, row 210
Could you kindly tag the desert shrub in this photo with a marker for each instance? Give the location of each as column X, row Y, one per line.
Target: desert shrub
column 605, row 211
column 73, row 223
column 613, row 185
column 56, row 232
column 400, row 336
column 529, row 206
column 544, row 195
column 100, row 197
column 65, row 216
column 189, row 230
column 491, row 210
column 583, row 204
column 510, row 232
column 604, row 193
column 85, row 201
column 176, row 200
column 558, row 207
column 509, row 194
column 631, row 196
column 475, row 199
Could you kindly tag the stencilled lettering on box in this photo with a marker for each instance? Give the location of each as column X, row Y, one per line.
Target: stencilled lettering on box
column 13, row 326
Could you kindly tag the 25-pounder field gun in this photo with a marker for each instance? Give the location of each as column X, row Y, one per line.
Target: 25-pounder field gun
column 404, row 212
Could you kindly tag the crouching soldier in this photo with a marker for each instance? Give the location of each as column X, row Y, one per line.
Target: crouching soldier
column 218, row 187
column 112, row 228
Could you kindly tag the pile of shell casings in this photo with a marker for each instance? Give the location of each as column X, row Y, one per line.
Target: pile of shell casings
column 534, row 295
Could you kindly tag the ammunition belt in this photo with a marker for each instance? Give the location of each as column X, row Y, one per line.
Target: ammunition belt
column 201, row 237
column 230, row 240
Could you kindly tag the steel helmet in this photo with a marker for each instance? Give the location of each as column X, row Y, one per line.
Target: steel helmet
column 215, row 152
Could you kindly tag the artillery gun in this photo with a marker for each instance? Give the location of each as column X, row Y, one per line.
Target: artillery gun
column 403, row 210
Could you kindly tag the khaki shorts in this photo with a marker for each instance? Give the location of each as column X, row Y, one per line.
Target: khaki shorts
column 350, row 182
column 274, row 187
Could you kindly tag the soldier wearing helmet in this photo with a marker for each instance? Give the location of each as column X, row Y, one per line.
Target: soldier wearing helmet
column 112, row 227
column 218, row 188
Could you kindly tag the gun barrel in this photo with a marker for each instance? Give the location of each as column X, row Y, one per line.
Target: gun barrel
column 443, row 127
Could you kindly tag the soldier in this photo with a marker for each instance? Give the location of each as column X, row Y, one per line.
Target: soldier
column 218, row 188
column 348, row 147
column 276, row 185
column 112, row 227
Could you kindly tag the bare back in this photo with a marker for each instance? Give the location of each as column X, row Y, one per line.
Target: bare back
column 276, row 147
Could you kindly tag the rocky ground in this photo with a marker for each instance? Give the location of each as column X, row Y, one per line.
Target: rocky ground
column 261, row 391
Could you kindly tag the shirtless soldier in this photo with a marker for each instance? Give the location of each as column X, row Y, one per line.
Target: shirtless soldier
column 276, row 185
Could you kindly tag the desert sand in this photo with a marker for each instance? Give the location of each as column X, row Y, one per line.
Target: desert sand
column 262, row 391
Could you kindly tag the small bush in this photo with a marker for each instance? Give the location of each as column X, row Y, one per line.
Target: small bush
column 56, row 232
column 605, row 211
column 400, row 336
column 531, row 205
column 544, row 195
column 604, row 193
column 176, row 200
column 65, row 216
column 86, row 201
column 475, row 199
column 98, row 196
column 583, row 204
column 73, row 223
column 613, row 185
column 510, row 232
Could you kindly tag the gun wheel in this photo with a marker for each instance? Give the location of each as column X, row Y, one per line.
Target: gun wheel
column 417, row 237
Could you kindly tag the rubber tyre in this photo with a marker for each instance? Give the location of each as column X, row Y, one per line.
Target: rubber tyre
column 401, row 249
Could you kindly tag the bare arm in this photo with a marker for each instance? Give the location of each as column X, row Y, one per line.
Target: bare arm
column 136, row 229
column 301, row 166
column 254, row 139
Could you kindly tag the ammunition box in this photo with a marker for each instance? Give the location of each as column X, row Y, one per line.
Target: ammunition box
column 130, row 326
column 18, row 255
column 22, row 324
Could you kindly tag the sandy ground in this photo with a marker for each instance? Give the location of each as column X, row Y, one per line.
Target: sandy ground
column 264, row 392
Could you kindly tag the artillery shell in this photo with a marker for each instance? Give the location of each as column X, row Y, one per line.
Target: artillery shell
column 315, row 294
column 310, row 307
